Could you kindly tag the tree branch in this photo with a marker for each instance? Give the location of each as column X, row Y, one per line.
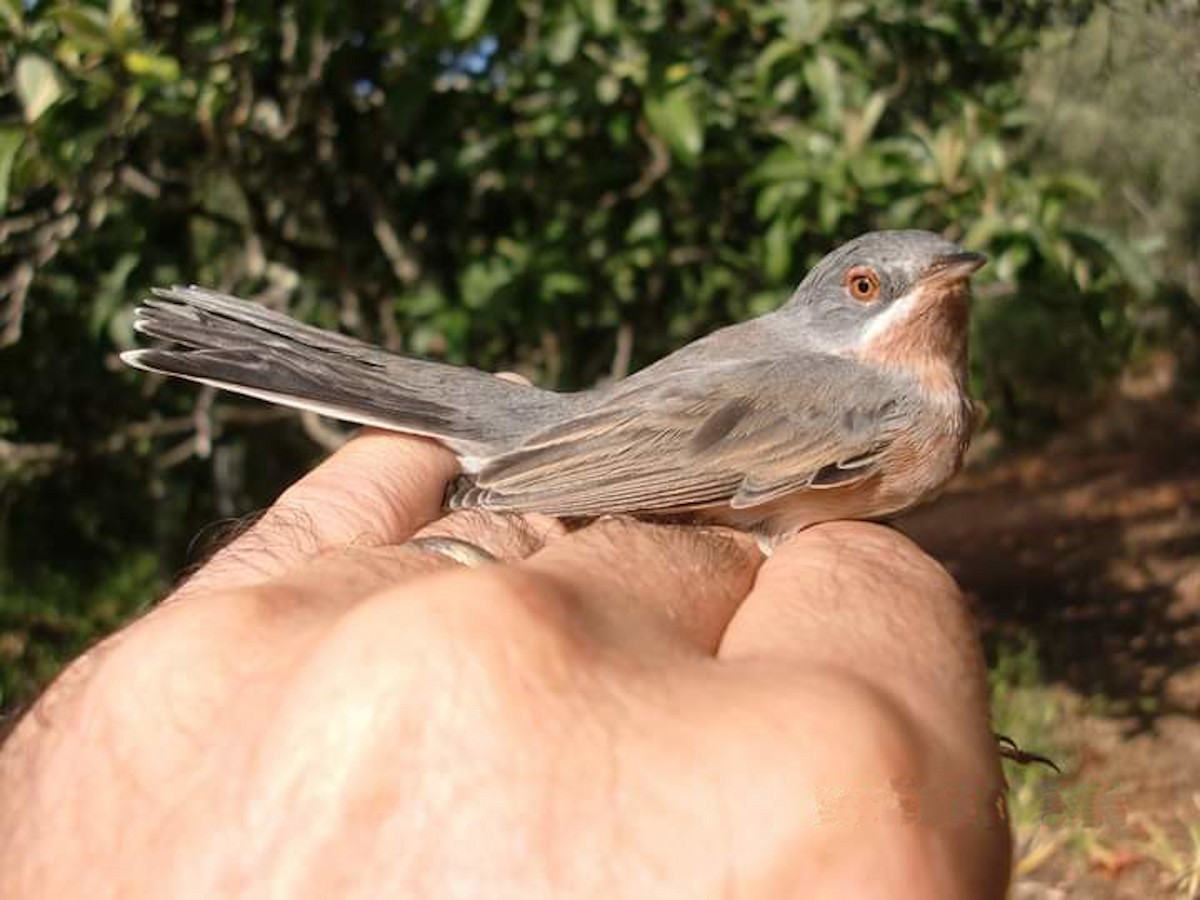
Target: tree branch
column 15, row 456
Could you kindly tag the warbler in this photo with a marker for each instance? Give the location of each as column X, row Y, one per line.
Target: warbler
column 850, row 401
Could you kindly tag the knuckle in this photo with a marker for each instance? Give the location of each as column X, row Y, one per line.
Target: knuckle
column 880, row 544
column 877, row 560
column 879, row 759
column 847, row 730
column 484, row 660
column 528, row 611
column 499, row 618
column 116, row 686
column 886, row 741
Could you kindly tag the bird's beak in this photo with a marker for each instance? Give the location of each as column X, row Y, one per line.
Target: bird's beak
column 954, row 266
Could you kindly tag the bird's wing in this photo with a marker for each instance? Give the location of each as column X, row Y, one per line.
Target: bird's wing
column 740, row 433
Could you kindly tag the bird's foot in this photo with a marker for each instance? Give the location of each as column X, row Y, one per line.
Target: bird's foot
column 1010, row 750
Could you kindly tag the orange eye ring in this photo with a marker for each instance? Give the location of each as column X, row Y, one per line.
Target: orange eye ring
column 863, row 284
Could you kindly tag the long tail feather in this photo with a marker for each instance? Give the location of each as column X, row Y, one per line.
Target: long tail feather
column 246, row 348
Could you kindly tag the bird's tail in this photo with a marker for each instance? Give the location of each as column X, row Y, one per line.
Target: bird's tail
column 246, row 348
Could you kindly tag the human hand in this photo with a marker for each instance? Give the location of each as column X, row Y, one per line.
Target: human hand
column 624, row 711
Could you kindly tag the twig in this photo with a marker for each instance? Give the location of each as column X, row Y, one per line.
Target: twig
column 393, row 338
column 46, row 240
column 139, row 182
column 404, row 266
column 202, row 420
column 15, row 287
column 17, row 456
column 623, row 354
column 659, row 165
column 20, row 455
column 1135, row 199
column 686, row 256
column 14, row 225
column 995, row 289
column 324, row 435
column 552, row 357
column 179, row 454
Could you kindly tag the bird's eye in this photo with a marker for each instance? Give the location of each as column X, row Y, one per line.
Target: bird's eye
column 863, row 284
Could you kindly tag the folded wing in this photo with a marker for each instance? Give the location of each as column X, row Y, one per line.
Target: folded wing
column 742, row 433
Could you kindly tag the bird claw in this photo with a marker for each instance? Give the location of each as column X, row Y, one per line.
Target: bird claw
column 1010, row 750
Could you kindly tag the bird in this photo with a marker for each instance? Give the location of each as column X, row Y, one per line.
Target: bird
column 849, row 401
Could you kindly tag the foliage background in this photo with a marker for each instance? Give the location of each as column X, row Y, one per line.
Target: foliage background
column 568, row 189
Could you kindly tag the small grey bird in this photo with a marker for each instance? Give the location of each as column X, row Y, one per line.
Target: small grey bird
column 848, row 402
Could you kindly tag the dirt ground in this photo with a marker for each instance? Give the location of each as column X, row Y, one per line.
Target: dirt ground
column 1092, row 546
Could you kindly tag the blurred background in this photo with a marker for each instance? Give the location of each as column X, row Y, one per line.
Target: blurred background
column 572, row 189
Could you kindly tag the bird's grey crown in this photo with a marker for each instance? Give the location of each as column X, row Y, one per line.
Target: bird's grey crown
column 900, row 257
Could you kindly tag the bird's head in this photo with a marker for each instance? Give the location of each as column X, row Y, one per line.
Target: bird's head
column 889, row 292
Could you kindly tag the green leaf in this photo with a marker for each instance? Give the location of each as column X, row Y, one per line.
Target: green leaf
column 38, row 85
column 110, row 293
column 824, row 81
column 777, row 249
column 555, row 284
column 1133, row 267
column 424, row 300
column 764, row 302
column 770, row 200
column 674, row 116
column 782, row 164
column 147, row 65
column 806, row 21
column 604, row 15
column 829, row 210
column 482, row 279
column 83, row 26
column 564, row 41
column 10, row 143
column 645, row 227
column 984, row 229
column 11, row 15
column 608, row 89
column 470, row 19
column 942, row 23
column 861, row 124
column 777, row 51
column 122, row 20
column 677, row 73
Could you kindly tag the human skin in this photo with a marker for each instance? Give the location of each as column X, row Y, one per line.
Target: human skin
column 627, row 710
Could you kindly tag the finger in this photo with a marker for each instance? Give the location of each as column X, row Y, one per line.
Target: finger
column 333, row 581
column 377, row 489
column 852, row 591
column 242, row 631
column 341, row 577
column 315, row 591
column 864, row 599
column 642, row 584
